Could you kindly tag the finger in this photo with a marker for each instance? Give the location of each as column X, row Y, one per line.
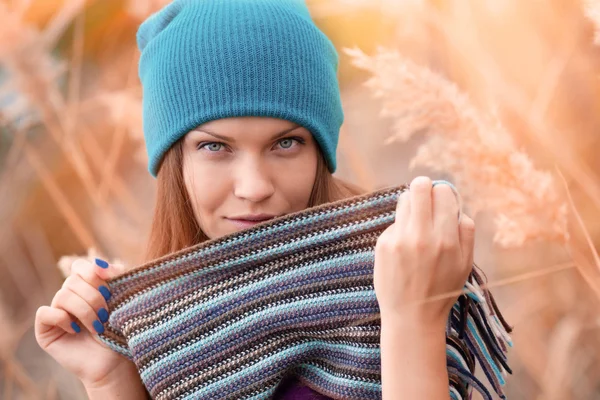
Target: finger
column 97, row 273
column 402, row 208
column 76, row 306
column 47, row 318
column 89, row 293
column 420, row 205
column 88, row 272
column 107, row 271
column 467, row 239
column 445, row 211
column 457, row 196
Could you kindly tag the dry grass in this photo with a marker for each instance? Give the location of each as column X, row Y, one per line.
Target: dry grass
column 592, row 11
column 499, row 97
column 490, row 172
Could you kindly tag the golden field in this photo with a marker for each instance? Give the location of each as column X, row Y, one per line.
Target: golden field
column 502, row 98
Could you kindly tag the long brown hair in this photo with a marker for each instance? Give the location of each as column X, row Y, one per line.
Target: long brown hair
column 174, row 225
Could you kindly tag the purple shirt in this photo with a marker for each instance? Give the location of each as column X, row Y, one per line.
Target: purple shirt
column 292, row 389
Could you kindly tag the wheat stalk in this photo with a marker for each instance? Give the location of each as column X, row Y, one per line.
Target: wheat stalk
column 140, row 9
column 108, row 172
column 491, row 173
column 592, row 11
column 61, row 201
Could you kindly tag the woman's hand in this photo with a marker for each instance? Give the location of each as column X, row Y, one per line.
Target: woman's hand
column 68, row 328
column 423, row 254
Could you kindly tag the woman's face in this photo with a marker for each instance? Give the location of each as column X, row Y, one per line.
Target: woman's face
column 239, row 171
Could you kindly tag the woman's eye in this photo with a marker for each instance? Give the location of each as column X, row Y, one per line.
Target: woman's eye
column 212, row 146
column 288, row 143
column 215, row 147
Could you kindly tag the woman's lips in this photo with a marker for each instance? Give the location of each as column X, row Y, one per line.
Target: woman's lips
column 244, row 223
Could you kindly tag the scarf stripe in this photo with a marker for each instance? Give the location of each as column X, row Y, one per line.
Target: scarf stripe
column 232, row 317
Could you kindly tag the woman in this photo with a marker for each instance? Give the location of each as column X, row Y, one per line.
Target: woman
column 242, row 113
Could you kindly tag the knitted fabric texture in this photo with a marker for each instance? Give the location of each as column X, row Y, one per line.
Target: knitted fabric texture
column 232, row 317
column 203, row 60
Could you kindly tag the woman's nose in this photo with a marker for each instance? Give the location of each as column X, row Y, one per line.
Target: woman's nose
column 253, row 183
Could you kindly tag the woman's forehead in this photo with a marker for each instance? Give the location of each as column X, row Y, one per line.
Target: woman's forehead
column 250, row 128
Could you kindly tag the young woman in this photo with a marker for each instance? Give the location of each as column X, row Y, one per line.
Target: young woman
column 241, row 118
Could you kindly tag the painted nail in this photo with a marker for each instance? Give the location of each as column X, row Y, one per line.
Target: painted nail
column 98, row 326
column 101, row 263
column 105, row 292
column 103, row 315
column 75, row 327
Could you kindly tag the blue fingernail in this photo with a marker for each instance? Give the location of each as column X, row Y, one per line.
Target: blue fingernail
column 105, row 292
column 98, row 326
column 101, row 263
column 103, row 315
column 75, row 327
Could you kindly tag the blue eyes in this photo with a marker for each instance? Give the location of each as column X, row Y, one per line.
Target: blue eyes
column 289, row 141
column 211, row 146
column 285, row 144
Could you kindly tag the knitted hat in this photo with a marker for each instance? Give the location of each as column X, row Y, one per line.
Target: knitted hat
column 203, row 60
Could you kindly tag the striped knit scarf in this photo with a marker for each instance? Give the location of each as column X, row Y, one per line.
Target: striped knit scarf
column 232, row 317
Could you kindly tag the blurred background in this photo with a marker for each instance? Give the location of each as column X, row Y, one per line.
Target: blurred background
column 501, row 97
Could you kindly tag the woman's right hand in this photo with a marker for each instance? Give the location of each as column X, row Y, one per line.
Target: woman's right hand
column 425, row 253
column 68, row 328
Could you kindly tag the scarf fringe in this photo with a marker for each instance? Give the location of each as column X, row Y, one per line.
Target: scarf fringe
column 480, row 327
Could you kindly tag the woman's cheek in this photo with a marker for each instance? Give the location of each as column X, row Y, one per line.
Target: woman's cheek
column 205, row 186
column 299, row 186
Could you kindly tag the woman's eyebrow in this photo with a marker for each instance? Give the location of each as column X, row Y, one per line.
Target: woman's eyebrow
column 226, row 138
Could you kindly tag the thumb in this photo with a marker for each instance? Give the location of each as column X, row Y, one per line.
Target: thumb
column 106, row 271
column 466, row 231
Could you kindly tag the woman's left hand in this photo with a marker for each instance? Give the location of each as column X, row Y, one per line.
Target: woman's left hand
column 425, row 253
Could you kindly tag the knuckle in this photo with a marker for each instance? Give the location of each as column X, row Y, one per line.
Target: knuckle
column 39, row 312
column 79, row 266
column 421, row 182
column 387, row 244
column 467, row 222
column 60, row 297
column 470, row 229
column 70, row 282
column 98, row 300
column 85, row 271
column 89, row 314
column 447, row 244
column 88, row 275
column 420, row 246
column 396, row 246
column 382, row 245
column 419, row 242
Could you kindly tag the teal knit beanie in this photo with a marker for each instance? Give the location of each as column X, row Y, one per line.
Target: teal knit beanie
column 203, row 60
